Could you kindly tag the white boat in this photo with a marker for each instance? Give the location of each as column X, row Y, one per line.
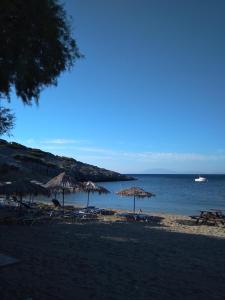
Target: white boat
column 200, row 179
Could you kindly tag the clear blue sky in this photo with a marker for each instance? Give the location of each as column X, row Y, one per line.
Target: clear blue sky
column 149, row 95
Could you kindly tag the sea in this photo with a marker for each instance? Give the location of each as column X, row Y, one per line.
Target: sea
column 175, row 194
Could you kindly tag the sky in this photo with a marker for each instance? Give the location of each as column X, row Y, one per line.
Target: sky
column 149, row 96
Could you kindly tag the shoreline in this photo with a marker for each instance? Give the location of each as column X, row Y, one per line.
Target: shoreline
column 161, row 221
column 183, row 224
column 174, row 223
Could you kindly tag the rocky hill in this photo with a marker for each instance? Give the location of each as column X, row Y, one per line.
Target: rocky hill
column 18, row 161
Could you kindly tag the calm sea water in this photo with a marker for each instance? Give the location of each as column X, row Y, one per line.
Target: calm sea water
column 178, row 194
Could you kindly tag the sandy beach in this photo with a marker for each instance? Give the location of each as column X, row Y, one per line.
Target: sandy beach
column 169, row 258
column 112, row 150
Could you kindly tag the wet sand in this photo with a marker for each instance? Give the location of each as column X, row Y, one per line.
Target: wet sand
column 170, row 258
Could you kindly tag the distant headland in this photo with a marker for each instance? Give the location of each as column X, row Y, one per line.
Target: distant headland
column 17, row 160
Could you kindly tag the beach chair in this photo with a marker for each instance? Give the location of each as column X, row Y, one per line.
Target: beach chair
column 106, row 212
column 144, row 218
column 20, row 202
column 56, row 203
column 90, row 209
column 82, row 216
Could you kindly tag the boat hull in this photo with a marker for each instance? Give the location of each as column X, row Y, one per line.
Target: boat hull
column 200, row 179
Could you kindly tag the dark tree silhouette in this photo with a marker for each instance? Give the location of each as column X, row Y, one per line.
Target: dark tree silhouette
column 35, row 46
column 6, row 120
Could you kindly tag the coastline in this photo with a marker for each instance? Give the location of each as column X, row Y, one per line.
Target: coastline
column 178, row 223
column 174, row 194
column 164, row 221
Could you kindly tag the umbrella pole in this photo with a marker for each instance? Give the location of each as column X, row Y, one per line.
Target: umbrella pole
column 134, row 205
column 21, row 200
column 63, row 200
column 88, row 198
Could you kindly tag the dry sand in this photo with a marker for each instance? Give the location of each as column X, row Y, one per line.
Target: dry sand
column 170, row 258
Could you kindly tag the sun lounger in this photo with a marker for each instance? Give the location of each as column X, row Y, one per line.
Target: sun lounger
column 145, row 218
column 19, row 202
column 90, row 209
column 106, row 212
column 84, row 216
column 56, row 203
column 131, row 217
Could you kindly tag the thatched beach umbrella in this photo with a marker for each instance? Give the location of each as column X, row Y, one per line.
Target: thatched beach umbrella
column 135, row 192
column 22, row 187
column 91, row 187
column 62, row 182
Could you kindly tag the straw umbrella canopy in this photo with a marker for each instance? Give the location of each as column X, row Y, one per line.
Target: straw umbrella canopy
column 91, row 187
column 22, row 187
column 62, row 182
column 135, row 192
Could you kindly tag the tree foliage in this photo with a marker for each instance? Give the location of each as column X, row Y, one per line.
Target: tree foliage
column 35, row 46
column 6, row 120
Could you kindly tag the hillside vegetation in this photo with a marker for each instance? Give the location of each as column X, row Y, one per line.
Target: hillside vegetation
column 18, row 161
